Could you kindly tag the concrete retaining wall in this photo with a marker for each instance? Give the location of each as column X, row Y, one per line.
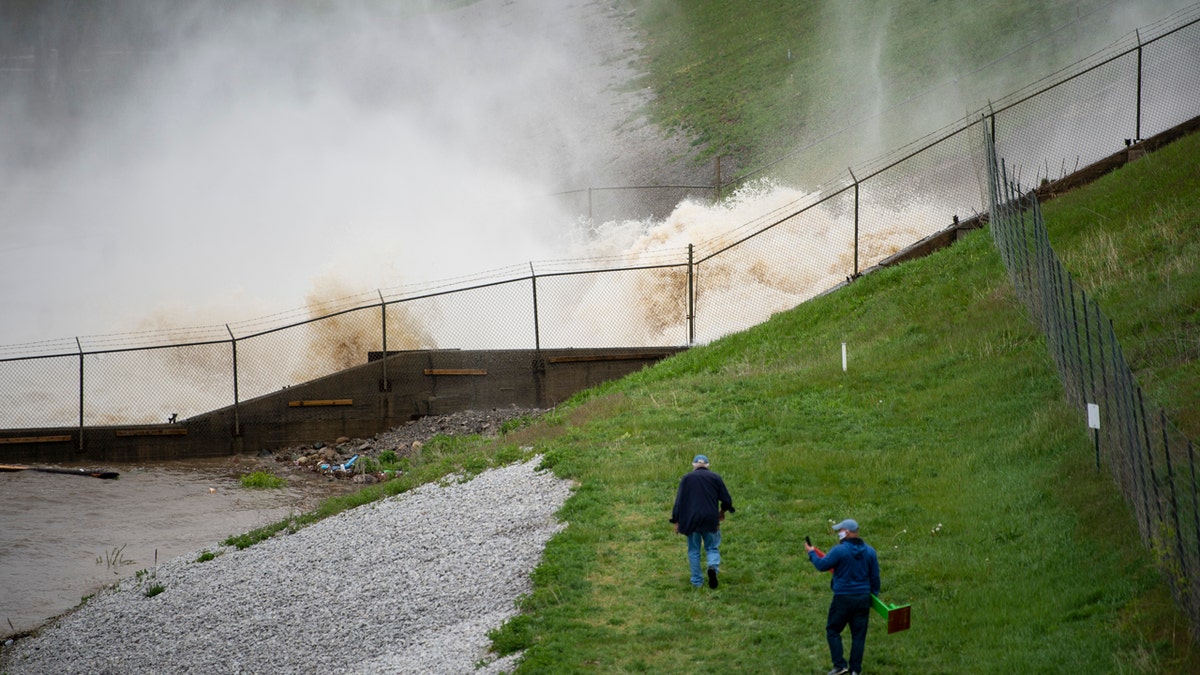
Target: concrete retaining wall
column 358, row 402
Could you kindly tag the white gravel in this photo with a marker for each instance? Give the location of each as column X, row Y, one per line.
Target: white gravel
column 410, row 584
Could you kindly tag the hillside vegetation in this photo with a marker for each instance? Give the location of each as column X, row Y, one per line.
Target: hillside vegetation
column 947, row 437
column 753, row 81
column 1132, row 242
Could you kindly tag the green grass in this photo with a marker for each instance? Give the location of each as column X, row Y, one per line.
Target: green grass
column 1131, row 240
column 262, row 480
column 947, row 438
column 751, row 81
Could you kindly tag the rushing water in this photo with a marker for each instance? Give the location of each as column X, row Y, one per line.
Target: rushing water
column 64, row 537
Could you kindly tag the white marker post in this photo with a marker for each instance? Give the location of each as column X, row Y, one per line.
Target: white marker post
column 1093, row 412
column 843, row 357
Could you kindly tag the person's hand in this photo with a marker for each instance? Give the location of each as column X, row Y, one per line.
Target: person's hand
column 676, row 528
column 722, row 516
column 809, row 548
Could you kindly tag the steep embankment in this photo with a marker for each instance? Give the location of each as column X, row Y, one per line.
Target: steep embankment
column 946, row 436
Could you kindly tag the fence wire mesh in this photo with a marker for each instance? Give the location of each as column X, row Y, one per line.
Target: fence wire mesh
column 577, row 310
column 39, row 392
column 1151, row 461
column 149, row 386
column 672, row 294
column 775, row 268
column 1170, row 80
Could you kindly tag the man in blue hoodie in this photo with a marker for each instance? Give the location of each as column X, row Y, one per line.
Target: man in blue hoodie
column 855, row 568
column 696, row 516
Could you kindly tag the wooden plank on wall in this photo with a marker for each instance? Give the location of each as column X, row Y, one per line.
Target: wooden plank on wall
column 455, row 371
column 172, row 431
column 320, row 402
column 584, row 358
column 34, row 439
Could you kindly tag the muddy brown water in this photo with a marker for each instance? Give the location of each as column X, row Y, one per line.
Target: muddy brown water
column 63, row 537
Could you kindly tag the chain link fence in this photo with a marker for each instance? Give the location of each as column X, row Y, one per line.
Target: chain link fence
column 777, row 256
column 1152, row 462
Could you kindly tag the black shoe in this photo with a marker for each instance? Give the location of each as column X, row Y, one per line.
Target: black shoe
column 712, row 577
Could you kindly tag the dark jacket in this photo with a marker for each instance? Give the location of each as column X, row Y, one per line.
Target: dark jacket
column 855, row 567
column 696, row 502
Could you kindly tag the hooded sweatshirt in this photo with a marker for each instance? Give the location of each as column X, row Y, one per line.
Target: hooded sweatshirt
column 855, row 567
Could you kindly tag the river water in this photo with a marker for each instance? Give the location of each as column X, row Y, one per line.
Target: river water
column 63, row 537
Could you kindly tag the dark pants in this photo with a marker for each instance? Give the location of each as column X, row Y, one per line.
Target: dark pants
column 854, row 610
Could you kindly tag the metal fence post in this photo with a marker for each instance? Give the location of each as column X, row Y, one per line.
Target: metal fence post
column 384, row 385
column 1124, row 402
column 855, row 179
column 1149, row 456
column 537, row 338
column 237, row 421
column 691, row 301
column 1044, row 290
column 1135, row 456
column 1021, row 256
column 1078, row 349
column 1137, row 136
column 1162, row 421
column 1064, row 330
column 79, row 346
column 1195, row 500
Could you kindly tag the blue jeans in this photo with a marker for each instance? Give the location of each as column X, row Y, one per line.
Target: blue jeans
column 854, row 610
column 712, row 547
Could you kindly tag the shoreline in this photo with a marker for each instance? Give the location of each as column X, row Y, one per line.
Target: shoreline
column 208, row 506
column 421, row 577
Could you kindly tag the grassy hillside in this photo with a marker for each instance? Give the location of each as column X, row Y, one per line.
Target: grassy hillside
column 1131, row 241
column 752, row 81
column 947, row 438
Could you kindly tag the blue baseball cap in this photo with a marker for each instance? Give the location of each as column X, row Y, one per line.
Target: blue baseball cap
column 699, row 459
column 847, row 524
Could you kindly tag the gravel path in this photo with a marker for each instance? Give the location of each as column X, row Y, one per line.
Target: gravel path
column 410, row 584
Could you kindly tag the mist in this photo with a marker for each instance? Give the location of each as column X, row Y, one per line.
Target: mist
column 209, row 165
column 210, row 168
column 871, row 106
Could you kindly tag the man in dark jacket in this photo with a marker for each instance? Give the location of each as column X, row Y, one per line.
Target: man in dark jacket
column 855, row 568
column 697, row 517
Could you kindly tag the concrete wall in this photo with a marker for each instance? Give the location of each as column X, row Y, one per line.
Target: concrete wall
column 358, row 402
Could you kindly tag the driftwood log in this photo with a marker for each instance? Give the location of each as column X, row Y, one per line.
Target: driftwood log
column 94, row 473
